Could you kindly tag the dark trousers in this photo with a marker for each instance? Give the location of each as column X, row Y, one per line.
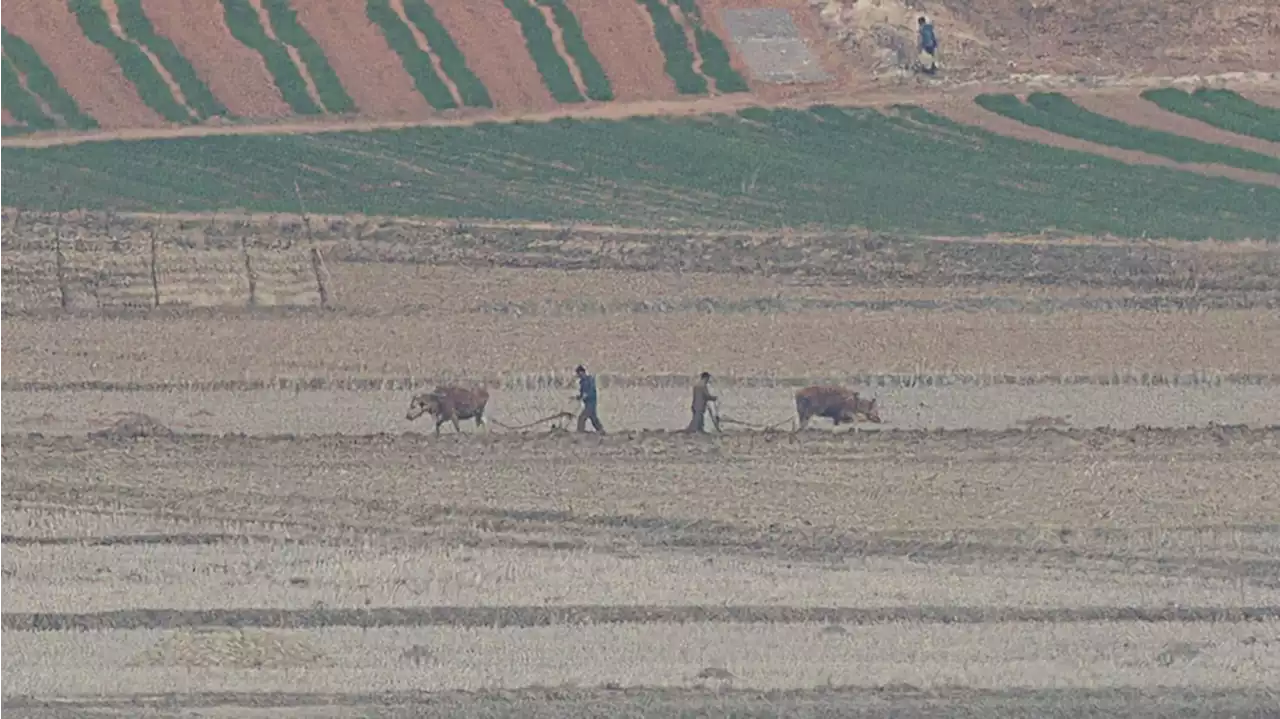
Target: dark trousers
column 699, row 421
column 589, row 413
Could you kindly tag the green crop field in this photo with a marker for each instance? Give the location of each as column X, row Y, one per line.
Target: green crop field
column 136, row 65
column 41, row 83
column 246, row 26
column 470, row 89
column 675, row 47
column 1221, row 108
column 1057, row 113
column 907, row 171
column 715, row 56
column 542, row 48
column 575, row 43
column 135, row 23
column 284, row 21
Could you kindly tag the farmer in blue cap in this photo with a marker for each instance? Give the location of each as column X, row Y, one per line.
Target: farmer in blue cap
column 928, row 47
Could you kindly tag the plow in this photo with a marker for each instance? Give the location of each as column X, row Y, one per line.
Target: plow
column 536, row 422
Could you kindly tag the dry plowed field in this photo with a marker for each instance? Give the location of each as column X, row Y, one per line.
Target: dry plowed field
column 216, row 509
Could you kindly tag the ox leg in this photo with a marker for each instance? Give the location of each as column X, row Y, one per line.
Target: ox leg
column 457, row 428
column 439, row 422
column 480, row 421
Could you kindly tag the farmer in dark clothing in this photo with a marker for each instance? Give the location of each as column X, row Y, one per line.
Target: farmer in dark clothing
column 587, row 395
column 701, row 397
column 928, row 47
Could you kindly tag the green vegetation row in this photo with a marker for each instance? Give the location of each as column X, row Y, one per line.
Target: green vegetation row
column 284, row 21
column 245, row 26
column 575, row 43
column 542, row 48
column 715, row 56
column 41, row 82
column 675, row 48
column 135, row 24
column 1057, row 113
column 137, row 67
column 910, row 173
column 470, row 89
column 22, row 105
column 1221, row 108
column 418, row 63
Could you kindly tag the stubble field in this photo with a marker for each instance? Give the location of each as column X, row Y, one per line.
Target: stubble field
column 1063, row 513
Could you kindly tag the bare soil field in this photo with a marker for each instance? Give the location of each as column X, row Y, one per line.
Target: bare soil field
column 221, row 510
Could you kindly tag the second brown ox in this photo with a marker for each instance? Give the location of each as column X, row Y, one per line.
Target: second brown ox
column 449, row 403
column 835, row 403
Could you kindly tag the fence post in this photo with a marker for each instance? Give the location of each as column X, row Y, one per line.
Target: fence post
column 249, row 273
column 155, row 273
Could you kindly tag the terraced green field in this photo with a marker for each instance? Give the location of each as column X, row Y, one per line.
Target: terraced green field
column 906, row 171
column 1057, row 113
column 1221, row 108
column 41, row 104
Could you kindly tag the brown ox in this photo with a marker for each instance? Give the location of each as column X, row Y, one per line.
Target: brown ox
column 450, row 403
column 835, row 403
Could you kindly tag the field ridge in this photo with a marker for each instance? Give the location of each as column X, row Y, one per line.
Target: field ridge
column 552, row 615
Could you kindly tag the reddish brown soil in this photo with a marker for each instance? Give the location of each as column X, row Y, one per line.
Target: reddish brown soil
column 621, row 37
column 1136, row 111
column 370, row 71
column 7, row 118
column 87, row 71
column 489, row 37
column 235, row 74
column 970, row 113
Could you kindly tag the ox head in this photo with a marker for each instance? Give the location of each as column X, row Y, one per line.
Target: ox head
column 428, row 403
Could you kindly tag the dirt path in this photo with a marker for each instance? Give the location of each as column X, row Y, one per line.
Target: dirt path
column 265, row 18
column 621, row 36
column 365, row 64
column 935, row 99
column 104, row 93
column 557, row 39
column 235, row 74
column 690, row 38
column 425, row 47
column 113, row 18
column 970, row 113
column 490, row 38
column 1137, row 111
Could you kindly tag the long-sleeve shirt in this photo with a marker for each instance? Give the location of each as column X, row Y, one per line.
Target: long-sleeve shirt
column 587, row 388
column 928, row 41
column 701, row 396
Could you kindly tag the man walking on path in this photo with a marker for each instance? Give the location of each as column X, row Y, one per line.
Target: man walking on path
column 928, row 47
column 587, row 395
column 701, row 396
